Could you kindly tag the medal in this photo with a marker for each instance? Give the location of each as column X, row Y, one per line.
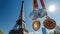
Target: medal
column 49, row 23
column 36, row 25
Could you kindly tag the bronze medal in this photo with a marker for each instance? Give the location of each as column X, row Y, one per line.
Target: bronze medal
column 49, row 23
column 36, row 25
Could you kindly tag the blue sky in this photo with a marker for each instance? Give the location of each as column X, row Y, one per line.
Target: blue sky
column 10, row 10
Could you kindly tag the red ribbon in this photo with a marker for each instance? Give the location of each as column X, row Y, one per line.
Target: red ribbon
column 42, row 3
column 35, row 4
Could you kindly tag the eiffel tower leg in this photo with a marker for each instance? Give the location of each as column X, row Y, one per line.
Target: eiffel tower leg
column 20, row 31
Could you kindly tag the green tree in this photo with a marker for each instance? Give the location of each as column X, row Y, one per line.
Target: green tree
column 57, row 30
column 1, row 32
column 51, row 33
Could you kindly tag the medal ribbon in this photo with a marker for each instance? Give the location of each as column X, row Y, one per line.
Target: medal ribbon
column 42, row 3
column 35, row 4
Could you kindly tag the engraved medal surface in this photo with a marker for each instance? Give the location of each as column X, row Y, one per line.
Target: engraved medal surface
column 49, row 23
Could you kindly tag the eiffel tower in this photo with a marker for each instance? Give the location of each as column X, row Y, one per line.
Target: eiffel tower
column 19, row 27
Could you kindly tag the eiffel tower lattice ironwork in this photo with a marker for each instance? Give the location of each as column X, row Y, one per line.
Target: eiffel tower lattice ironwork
column 19, row 27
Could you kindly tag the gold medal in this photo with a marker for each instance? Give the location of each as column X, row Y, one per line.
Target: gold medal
column 36, row 25
column 49, row 23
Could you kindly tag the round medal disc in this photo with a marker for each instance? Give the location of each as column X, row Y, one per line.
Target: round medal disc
column 49, row 23
column 36, row 25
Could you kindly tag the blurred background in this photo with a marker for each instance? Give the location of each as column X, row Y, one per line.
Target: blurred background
column 10, row 10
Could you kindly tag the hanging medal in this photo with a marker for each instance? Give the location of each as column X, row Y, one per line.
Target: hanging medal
column 49, row 23
column 34, row 13
column 36, row 25
column 43, row 11
column 34, row 16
